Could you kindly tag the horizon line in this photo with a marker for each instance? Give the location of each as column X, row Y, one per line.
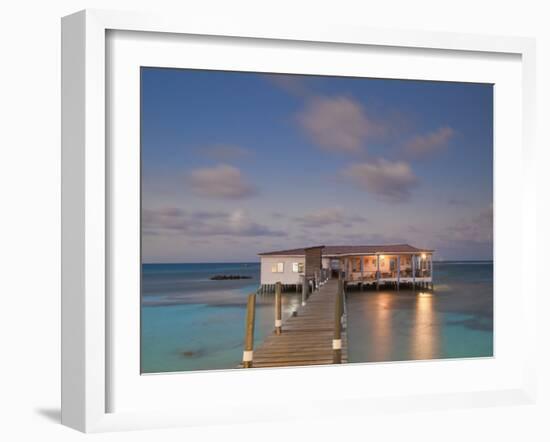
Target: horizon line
column 258, row 262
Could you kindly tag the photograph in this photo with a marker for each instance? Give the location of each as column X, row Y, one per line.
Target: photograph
column 292, row 220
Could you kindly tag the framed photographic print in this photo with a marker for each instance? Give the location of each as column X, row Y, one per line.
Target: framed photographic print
column 334, row 159
column 252, row 213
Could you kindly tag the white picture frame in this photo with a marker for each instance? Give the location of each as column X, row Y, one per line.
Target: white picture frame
column 86, row 206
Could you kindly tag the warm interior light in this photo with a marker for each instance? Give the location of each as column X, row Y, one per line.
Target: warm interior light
column 423, row 256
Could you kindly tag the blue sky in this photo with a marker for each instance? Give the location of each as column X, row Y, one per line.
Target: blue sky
column 237, row 163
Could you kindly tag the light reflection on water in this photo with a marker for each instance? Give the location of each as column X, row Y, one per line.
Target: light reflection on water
column 456, row 320
column 381, row 335
column 425, row 332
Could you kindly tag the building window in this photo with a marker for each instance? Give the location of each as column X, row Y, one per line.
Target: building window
column 278, row 267
column 298, row 267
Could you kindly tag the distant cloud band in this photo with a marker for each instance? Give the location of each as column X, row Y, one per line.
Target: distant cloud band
column 203, row 223
column 329, row 216
column 221, row 181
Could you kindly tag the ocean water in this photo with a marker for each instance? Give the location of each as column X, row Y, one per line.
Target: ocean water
column 455, row 321
column 189, row 322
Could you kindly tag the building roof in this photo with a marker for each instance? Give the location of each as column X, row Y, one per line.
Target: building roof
column 352, row 250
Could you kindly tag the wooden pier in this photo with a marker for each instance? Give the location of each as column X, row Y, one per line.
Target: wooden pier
column 316, row 335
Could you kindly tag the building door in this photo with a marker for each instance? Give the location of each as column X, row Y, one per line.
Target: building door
column 393, row 265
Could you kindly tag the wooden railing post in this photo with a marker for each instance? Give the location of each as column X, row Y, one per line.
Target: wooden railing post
column 249, row 331
column 362, row 266
column 337, row 339
column 278, row 309
column 398, row 271
column 305, row 286
column 377, row 272
column 413, row 267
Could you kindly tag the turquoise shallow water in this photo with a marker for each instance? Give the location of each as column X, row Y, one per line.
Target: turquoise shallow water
column 189, row 322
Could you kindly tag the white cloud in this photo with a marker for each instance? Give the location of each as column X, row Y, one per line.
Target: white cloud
column 430, row 142
column 337, row 124
column 386, row 180
column 295, row 85
column 221, row 181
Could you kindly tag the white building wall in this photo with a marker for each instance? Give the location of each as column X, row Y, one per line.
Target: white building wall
column 287, row 276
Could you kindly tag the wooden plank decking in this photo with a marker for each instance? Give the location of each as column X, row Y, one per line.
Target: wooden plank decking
column 306, row 338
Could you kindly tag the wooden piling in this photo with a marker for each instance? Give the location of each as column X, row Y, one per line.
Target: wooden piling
column 337, row 339
column 249, row 332
column 278, row 309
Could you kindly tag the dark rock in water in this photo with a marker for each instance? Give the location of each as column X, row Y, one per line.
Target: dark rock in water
column 224, row 277
column 191, row 353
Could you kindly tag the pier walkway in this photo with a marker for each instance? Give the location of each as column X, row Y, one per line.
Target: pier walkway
column 307, row 338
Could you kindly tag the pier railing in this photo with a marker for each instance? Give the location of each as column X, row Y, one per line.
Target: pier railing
column 373, row 275
column 309, row 286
